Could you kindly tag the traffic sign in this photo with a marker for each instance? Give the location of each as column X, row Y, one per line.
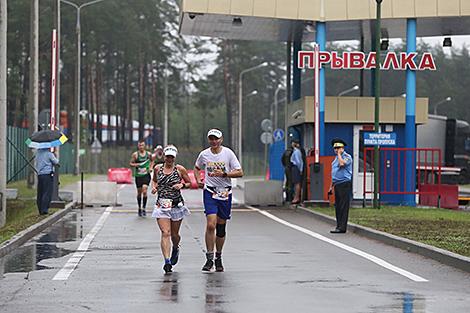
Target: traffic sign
column 266, row 138
column 96, row 146
column 267, row 125
column 278, row 134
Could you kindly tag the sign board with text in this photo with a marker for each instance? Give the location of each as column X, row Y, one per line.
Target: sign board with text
column 380, row 139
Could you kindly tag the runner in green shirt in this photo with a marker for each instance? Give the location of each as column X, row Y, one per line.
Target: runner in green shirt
column 141, row 161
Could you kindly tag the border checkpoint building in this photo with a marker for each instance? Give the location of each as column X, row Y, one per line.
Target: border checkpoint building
column 298, row 21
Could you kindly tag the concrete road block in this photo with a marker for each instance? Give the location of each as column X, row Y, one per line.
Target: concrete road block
column 100, row 193
column 263, row 192
column 11, row 193
column 66, row 195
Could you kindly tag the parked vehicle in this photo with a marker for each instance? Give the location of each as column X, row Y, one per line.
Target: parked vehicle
column 452, row 136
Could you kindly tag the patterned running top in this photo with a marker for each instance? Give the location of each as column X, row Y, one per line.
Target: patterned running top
column 165, row 186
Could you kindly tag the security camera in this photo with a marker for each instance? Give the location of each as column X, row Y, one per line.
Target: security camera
column 192, row 16
column 297, row 114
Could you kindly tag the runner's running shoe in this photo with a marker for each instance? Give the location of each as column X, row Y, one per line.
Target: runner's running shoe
column 144, row 213
column 167, row 268
column 140, row 212
column 208, row 266
column 218, row 265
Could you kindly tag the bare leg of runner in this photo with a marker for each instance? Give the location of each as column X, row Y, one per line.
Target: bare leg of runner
column 210, row 232
column 175, row 240
column 219, row 244
column 165, row 227
column 139, row 200
column 144, row 199
column 219, row 241
column 210, row 241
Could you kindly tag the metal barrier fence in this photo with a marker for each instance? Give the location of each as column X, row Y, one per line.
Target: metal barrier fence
column 393, row 166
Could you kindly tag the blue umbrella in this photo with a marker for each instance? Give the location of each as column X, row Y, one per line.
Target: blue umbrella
column 45, row 139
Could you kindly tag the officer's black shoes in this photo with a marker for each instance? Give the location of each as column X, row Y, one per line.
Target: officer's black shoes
column 337, row 231
column 218, row 265
column 208, row 266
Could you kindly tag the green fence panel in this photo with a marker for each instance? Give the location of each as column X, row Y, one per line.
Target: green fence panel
column 66, row 156
column 17, row 168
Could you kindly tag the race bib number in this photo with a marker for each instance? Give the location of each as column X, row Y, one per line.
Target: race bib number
column 142, row 171
column 165, row 204
column 221, row 193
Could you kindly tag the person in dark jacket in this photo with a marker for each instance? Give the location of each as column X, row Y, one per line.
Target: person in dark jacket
column 297, row 161
column 45, row 162
column 285, row 160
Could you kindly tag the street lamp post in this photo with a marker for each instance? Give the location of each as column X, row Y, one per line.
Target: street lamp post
column 240, row 106
column 344, row 92
column 78, row 79
column 441, row 102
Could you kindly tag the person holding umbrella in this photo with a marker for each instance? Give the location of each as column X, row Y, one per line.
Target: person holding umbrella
column 43, row 141
column 45, row 162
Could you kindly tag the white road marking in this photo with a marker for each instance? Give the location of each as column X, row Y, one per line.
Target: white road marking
column 340, row 245
column 72, row 263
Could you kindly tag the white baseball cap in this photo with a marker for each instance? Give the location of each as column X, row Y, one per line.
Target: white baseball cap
column 214, row 132
column 170, row 150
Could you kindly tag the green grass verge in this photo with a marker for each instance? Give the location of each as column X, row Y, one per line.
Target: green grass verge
column 446, row 229
column 23, row 212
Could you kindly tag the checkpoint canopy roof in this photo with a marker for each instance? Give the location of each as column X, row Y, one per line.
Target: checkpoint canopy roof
column 283, row 20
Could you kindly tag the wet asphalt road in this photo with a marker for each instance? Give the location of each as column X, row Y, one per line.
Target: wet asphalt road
column 270, row 267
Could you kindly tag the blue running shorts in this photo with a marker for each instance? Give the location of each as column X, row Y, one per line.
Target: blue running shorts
column 223, row 208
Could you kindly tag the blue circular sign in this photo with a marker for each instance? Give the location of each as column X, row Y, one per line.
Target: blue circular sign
column 278, row 134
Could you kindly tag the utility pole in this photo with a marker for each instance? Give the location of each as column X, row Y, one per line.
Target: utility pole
column 165, row 109
column 56, row 123
column 58, row 66
column 78, row 95
column 377, row 103
column 3, row 110
column 33, row 82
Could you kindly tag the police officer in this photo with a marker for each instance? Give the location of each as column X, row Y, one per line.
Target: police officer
column 341, row 174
